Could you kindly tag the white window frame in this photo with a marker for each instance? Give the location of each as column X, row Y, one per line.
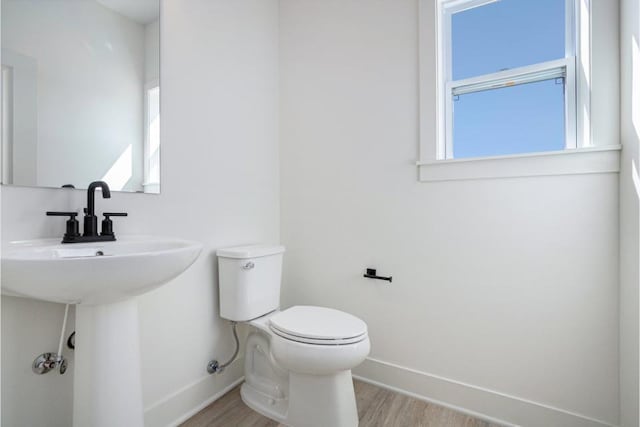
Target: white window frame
column 436, row 160
column 148, row 185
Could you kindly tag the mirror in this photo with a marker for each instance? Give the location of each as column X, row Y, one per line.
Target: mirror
column 81, row 93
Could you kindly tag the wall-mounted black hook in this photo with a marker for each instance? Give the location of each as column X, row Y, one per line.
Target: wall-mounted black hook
column 371, row 274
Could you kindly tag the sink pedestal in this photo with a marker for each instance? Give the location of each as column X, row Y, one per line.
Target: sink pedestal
column 107, row 378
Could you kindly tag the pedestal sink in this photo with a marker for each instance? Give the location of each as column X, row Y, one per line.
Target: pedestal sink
column 103, row 279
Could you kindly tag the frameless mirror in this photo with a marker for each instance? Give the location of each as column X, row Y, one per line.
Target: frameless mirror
column 81, row 93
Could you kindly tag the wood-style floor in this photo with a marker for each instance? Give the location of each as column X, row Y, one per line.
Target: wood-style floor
column 377, row 407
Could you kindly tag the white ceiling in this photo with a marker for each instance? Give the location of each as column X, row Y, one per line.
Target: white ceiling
column 142, row 11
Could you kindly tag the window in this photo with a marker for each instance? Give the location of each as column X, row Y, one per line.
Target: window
column 508, row 80
column 518, row 88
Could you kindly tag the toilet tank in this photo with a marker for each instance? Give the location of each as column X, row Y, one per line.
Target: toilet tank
column 249, row 278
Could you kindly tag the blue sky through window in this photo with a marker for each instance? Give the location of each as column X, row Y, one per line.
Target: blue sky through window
column 503, row 35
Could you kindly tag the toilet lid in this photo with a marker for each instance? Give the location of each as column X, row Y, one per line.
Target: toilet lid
column 318, row 325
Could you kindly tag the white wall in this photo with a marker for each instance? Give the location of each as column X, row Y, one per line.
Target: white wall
column 220, row 185
column 629, row 214
column 505, row 292
column 90, row 88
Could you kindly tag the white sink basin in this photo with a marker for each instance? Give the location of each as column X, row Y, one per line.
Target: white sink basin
column 93, row 273
column 103, row 279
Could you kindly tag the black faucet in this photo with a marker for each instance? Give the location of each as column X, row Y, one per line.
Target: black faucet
column 90, row 234
column 90, row 218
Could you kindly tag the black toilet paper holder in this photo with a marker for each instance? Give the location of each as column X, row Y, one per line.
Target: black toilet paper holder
column 371, row 274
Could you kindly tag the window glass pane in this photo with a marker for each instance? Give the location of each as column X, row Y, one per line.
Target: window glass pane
column 506, row 34
column 512, row 120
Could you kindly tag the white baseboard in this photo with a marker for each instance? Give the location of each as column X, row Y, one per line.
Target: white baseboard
column 178, row 407
column 482, row 403
column 489, row 405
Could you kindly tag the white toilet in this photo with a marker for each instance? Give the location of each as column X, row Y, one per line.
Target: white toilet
column 298, row 361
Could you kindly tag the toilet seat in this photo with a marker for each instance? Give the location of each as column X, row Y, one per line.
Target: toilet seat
column 318, row 325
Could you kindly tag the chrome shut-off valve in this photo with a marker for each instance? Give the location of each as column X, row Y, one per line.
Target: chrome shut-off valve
column 47, row 362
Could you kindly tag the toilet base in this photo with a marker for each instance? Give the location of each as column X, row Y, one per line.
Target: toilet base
column 276, row 409
column 314, row 401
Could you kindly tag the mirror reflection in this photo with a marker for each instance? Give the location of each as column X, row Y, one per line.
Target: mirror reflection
column 81, row 93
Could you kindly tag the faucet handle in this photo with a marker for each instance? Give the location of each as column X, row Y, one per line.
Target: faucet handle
column 69, row 214
column 107, row 224
column 73, row 227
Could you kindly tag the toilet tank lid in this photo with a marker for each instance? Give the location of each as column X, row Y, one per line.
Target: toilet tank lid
column 251, row 251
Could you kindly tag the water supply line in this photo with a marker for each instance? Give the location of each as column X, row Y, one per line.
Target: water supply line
column 49, row 361
column 214, row 367
column 64, row 328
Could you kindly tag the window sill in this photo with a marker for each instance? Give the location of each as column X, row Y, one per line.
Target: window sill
column 569, row 162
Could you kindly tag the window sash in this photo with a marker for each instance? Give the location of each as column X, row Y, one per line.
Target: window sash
column 512, row 77
column 562, row 68
column 455, row 6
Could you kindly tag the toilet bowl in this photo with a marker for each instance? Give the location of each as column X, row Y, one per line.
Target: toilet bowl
column 298, row 361
column 301, row 376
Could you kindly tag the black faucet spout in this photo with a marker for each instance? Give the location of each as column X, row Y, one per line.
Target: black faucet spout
column 90, row 220
column 91, row 195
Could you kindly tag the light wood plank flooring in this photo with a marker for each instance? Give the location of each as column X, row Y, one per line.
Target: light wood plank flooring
column 377, row 407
